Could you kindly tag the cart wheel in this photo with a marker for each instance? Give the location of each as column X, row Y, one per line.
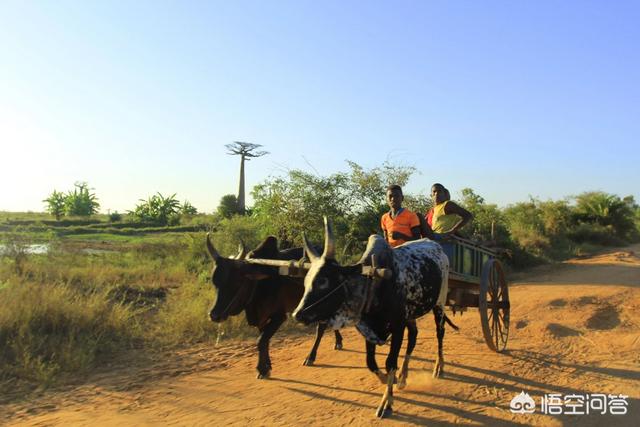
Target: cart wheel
column 494, row 305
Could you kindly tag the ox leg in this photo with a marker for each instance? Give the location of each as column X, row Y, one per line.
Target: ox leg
column 386, row 404
column 412, row 335
column 311, row 358
column 338, row 345
column 438, row 315
column 372, row 364
column 264, row 361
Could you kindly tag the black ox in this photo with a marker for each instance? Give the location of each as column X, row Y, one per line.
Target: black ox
column 420, row 270
column 265, row 296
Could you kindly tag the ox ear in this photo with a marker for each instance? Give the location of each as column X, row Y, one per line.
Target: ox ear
column 329, row 243
column 212, row 251
column 242, row 250
column 308, row 248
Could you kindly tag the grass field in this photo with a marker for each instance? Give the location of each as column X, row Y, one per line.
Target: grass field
column 90, row 296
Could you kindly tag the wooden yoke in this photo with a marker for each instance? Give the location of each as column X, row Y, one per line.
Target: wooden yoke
column 300, row 268
column 376, row 275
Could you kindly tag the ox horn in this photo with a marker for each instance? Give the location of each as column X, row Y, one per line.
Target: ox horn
column 329, row 243
column 212, row 251
column 242, row 250
column 311, row 253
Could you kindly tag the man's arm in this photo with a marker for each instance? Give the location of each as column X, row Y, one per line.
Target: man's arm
column 465, row 215
column 384, row 229
column 425, row 229
column 415, row 234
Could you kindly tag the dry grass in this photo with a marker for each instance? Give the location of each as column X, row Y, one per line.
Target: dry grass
column 68, row 311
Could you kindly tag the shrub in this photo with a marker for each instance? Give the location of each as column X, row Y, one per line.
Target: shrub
column 158, row 209
column 608, row 210
column 80, row 202
column 55, row 204
column 115, row 217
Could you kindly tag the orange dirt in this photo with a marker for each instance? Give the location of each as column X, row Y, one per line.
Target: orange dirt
column 575, row 329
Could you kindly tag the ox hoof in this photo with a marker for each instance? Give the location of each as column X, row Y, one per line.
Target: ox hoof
column 385, row 412
column 438, row 371
column 308, row 361
column 338, row 346
column 402, row 382
column 263, row 375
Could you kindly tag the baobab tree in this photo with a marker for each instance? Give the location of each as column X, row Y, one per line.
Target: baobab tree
column 246, row 151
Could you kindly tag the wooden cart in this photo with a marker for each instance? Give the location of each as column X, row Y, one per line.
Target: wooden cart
column 476, row 279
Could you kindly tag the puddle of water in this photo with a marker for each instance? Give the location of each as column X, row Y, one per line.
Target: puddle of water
column 30, row 249
column 43, row 248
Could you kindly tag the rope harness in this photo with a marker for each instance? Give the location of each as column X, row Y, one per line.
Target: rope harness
column 224, row 312
column 341, row 286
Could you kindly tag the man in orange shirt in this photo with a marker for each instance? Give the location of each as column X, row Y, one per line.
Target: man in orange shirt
column 399, row 225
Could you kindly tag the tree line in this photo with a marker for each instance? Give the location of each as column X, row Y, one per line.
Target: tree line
column 285, row 206
column 156, row 209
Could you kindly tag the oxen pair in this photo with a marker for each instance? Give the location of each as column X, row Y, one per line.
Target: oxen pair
column 261, row 293
column 339, row 296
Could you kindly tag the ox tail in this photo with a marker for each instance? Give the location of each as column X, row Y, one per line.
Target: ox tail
column 446, row 319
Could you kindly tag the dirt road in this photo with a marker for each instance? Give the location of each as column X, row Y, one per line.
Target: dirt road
column 575, row 329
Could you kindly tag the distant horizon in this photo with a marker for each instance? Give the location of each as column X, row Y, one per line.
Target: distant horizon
column 510, row 99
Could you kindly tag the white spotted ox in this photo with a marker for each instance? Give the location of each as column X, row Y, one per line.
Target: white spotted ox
column 337, row 294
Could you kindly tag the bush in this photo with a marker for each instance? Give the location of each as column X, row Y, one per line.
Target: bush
column 158, row 209
column 80, row 202
column 595, row 234
column 608, row 210
column 115, row 217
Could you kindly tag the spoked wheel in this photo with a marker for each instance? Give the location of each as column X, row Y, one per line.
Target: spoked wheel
column 494, row 306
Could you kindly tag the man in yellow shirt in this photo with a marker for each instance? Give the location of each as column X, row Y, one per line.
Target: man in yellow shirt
column 399, row 225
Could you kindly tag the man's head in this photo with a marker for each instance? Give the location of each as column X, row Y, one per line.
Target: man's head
column 394, row 197
column 439, row 193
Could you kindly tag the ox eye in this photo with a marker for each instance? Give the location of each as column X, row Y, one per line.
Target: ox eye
column 323, row 283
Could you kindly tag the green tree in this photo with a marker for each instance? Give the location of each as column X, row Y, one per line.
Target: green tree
column 56, row 204
column 158, row 209
column 81, row 202
column 188, row 209
column 486, row 218
column 228, row 206
column 354, row 200
column 526, row 226
column 289, row 205
column 607, row 210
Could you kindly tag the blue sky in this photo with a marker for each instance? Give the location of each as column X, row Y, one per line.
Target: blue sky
column 509, row 98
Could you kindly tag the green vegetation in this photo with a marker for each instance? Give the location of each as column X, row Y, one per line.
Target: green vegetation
column 106, row 283
column 79, row 202
column 354, row 200
column 228, row 206
column 84, row 300
column 158, row 209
